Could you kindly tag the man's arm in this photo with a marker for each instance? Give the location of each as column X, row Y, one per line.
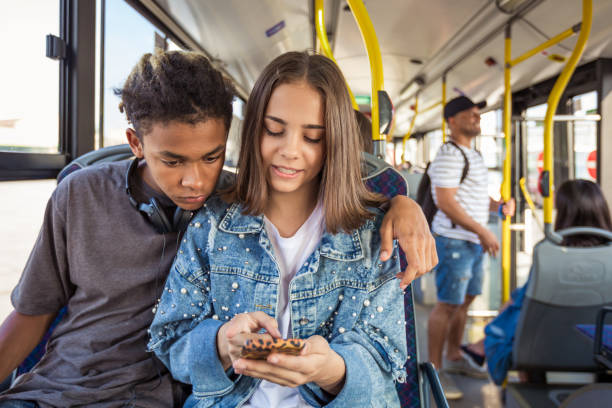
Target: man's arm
column 406, row 222
column 508, row 207
column 453, row 210
column 19, row 334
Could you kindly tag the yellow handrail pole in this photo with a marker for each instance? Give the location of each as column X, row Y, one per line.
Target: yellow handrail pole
column 443, row 105
column 530, row 202
column 553, row 102
column 324, row 41
column 505, row 187
column 430, row 107
column 409, row 133
column 555, row 40
column 369, row 38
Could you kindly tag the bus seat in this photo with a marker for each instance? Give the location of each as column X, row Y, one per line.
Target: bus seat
column 103, row 155
column 567, row 287
column 413, row 180
column 420, row 377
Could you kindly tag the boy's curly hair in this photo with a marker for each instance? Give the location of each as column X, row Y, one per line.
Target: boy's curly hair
column 175, row 86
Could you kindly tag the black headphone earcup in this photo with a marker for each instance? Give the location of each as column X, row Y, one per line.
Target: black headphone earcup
column 181, row 219
column 158, row 218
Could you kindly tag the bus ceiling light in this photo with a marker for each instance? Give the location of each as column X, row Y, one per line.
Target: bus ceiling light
column 413, row 86
column 511, row 6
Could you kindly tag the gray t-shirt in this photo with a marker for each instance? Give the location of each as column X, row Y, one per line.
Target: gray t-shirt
column 100, row 257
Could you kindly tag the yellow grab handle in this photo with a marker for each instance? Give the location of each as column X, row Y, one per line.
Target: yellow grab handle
column 507, row 166
column 443, row 105
column 530, row 202
column 553, row 102
column 409, row 133
column 324, row 41
column 371, row 42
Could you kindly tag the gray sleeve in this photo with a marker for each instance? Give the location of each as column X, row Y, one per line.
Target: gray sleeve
column 44, row 286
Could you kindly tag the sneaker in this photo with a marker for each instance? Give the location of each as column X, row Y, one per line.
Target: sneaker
column 451, row 391
column 475, row 357
column 464, row 366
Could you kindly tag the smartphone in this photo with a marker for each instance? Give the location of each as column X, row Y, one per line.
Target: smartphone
column 258, row 349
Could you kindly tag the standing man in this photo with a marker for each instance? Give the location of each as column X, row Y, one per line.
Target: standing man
column 460, row 190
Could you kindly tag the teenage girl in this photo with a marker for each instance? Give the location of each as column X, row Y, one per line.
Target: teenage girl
column 295, row 256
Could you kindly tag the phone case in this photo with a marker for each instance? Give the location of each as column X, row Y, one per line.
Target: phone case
column 259, row 349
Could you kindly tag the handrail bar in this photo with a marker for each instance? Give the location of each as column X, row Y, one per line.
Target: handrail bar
column 506, row 192
column 369, row 37
column 563, row 118
column 530, row 203
column 546, row 44
column 409, row 133
column 553, row 102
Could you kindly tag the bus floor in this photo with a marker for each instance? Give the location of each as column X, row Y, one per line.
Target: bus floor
column 477, row 393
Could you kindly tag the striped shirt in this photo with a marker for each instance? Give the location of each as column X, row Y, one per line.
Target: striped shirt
column 473, row 196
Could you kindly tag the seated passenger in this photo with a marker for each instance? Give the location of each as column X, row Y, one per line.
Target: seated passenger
column 579, row 203
column 96, row 255
column 296, row 255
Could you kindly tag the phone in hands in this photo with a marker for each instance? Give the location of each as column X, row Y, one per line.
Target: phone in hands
column 259, row 349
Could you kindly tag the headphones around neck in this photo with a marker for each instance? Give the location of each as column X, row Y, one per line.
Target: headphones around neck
column 154, row 212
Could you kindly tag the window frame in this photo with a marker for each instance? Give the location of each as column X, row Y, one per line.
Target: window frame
column 76, row 98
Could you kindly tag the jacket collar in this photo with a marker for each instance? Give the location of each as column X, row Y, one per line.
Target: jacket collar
column 341, row 246
column 235, row 222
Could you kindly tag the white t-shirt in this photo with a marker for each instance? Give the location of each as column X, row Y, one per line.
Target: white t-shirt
column 473, row 195
column 291, row 253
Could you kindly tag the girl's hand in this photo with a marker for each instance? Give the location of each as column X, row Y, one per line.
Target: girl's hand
column 233, row 334
column 317, row 363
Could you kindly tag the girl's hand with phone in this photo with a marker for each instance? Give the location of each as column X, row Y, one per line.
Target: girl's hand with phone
column 232, row 336
column 316, row 363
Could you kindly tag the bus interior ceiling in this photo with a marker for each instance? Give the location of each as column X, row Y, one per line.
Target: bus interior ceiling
column 417, row 40
column 421, row 43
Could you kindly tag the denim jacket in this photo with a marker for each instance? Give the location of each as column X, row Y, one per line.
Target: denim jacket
column 226, row 265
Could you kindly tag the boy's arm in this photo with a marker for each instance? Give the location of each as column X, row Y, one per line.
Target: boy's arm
column 19, row 334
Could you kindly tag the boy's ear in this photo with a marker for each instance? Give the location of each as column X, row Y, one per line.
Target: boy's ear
column 134, row 142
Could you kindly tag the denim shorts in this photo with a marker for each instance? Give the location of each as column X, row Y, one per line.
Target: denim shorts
column 459, row 271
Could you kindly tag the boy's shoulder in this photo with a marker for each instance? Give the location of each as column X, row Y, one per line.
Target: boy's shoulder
column 98, row 175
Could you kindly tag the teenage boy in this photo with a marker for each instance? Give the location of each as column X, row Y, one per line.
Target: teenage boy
column 110, row 233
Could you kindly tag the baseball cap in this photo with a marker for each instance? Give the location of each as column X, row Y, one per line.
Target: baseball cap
column 459, row 104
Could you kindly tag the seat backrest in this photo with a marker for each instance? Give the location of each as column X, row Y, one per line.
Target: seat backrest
column 384, row 179
column 567, row 286
column 413, row 179
column 103, row 155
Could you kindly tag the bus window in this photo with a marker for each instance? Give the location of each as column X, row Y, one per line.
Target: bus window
column 491, row 147
column 233, row 140
column 29, row 121
column 127, row 35
column 535, row 148
column 434, row 141
column 23, row 208
column 585, row 137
